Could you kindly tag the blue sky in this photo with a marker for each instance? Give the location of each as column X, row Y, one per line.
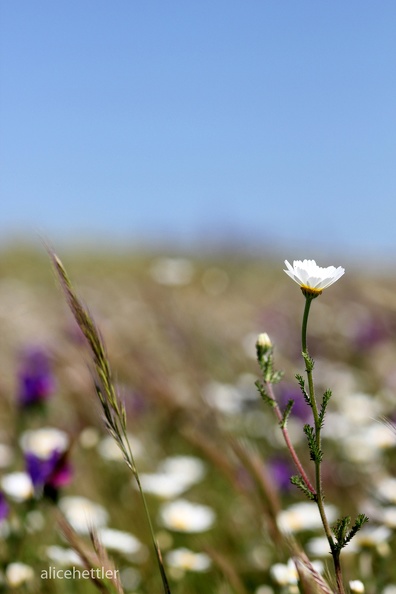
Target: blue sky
column 264, row 121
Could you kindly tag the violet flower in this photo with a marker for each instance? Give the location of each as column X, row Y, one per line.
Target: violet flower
column 36, row 382
column 48, row 475
column 300, row 408
column 46, row 458
column 281, row 471
column 4, row 508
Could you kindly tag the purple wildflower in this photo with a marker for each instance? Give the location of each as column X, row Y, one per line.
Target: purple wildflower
column 4, row 509
column 36, row 382
column 46, row 453
column 49, row 474
column 300, row 409
column 281, row 471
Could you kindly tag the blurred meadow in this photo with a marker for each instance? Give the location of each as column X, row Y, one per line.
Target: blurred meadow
column 180, row 332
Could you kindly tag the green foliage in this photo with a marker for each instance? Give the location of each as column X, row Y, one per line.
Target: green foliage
column 299, row 482
column 264, row 394
column 326, row 398
column 341, row 529
column 315, row 453
column 286, row 413
column 301, row 383
column 309, row 362
column 265, row 358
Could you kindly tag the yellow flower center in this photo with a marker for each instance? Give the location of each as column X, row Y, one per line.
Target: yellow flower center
column 310, row 291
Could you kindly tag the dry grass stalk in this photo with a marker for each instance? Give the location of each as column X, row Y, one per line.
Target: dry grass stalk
column 113, row 408
column 93, row 561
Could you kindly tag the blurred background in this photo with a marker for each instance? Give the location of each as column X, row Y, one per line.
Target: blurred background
column 261, row 126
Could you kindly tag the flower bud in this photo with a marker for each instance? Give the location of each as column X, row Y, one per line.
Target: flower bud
column 263, row 345
column 264, row 341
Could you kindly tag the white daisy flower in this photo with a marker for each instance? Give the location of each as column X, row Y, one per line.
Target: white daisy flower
column 43, row 442
column 284, row 575
column 188, row 560
column 183, row 516
column 18, row 486
column 303, row 516
column 110, row 451
column 176, row 474
column 311, row 277
column 162, row 485
column 319, row 547
column 18, row 573
column 356, row 586
column 372, row 536
column 82, row 514
column 187, row 468
column 120, row 541
column 63, row 557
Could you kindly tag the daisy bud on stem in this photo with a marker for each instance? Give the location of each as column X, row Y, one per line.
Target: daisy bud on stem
column 264, row 351
column 263, row 345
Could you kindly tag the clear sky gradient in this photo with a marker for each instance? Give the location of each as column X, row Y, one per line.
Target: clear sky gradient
column 268, row 121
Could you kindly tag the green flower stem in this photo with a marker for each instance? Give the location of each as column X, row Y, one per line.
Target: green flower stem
column 319, row 493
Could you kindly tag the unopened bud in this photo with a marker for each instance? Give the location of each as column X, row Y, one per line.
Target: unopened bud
column 263, row 345
column 264, row 341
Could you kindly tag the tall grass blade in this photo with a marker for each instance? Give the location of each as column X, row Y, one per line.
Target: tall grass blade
column 113, row 409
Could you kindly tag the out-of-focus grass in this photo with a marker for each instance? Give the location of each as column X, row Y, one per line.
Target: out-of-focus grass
column 180, row 333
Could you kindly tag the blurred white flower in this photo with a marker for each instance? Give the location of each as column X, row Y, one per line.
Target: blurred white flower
column 388, row 516
column 18, row 573
column 130, row 578
column 188, row 560
column 117, row 540
column 372, row 536
column 356, row 586
column 319, row 547
column 367, row 443
column 303, row 516
column 110, row 451
column 188, row 468
column 311, row 277
column 223, row 397
column 62, row 556
column 284, row 575
column 89, row 437
column 386, row 489
column 82, row 514
column 360, row 408
column 183, row 516
column 264, row 590
column 162, row 485
column 18, row 486
column 172, row 271
column 175, row 475
column 43, row 442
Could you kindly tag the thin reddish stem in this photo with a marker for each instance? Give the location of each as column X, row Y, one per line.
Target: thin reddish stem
column 289, row 444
